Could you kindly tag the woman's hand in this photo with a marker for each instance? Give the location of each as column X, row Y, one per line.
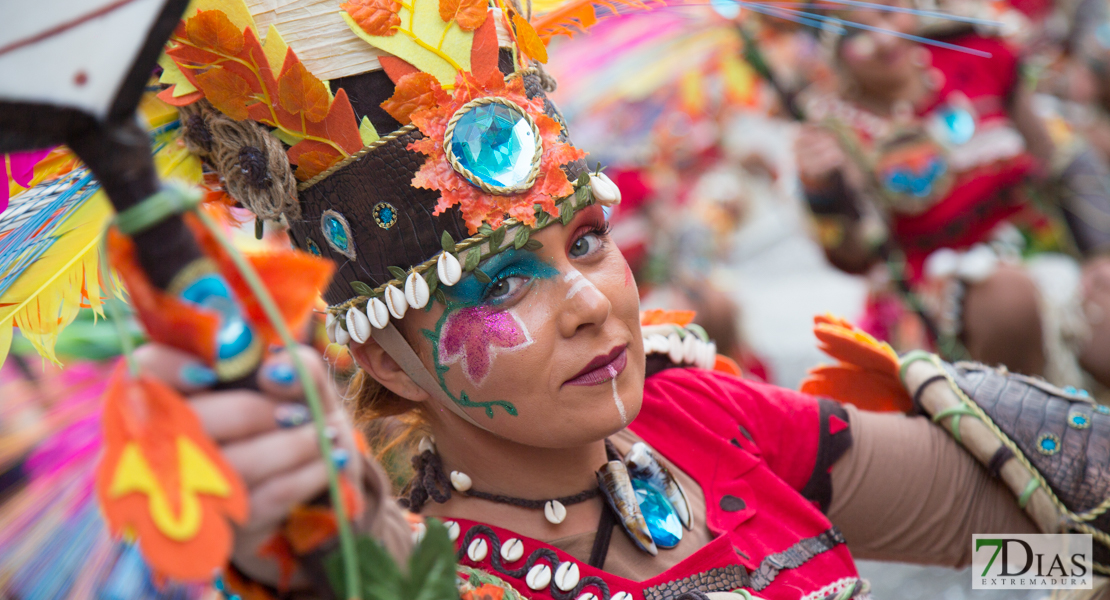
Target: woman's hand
column 819, row 157
column 266, row 435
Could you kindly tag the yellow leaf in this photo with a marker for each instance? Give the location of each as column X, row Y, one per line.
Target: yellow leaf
column 529, row 42
column 275, row 48
column 367, row 132
column 172, row 75
column 441, row 61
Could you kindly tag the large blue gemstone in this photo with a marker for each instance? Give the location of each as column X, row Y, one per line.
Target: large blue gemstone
column 662, row 520
column 336, row 232
column 495, row 143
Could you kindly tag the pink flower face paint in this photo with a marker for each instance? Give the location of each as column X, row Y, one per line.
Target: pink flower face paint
column 474, row 336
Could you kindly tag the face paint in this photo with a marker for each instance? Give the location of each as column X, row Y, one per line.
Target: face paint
column 580, row 283
column 472, row 331
column 616, row 397
column 474, row 336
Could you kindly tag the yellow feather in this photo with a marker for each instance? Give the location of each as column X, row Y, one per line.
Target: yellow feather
column 49, row 294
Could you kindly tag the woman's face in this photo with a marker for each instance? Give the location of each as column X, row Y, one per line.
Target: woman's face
column 548, row 352
column 880, row 61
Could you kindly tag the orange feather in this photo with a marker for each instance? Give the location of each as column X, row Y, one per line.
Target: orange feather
column 867, row 370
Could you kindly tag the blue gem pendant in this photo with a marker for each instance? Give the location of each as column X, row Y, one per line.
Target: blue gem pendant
column 651, row 504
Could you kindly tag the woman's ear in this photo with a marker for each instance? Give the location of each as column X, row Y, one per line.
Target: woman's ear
column 381, row 366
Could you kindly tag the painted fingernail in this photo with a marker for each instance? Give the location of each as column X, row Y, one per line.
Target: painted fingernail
column 281, row 374
column 291, row 415
column 197, row 374
column 340, row 457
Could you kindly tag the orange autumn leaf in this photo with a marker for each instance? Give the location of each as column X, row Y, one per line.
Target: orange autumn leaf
column 301, row 92
column 308, row 527
column 414, row 92
column 228, row 92
column 658, row 316
column 162, row 481
column 867, row 370
column 469, row 14
column 486, row 591
column 529, row 41
column 375, row 17
column 212, row 29
column 313, row 163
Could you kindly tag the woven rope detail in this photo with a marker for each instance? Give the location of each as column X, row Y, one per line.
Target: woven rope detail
column 357, row 155
column 498, row 190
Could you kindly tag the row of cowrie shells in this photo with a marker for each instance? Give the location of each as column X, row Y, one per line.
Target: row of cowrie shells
column 691, row 350
column 417, row 294
column 566, row 576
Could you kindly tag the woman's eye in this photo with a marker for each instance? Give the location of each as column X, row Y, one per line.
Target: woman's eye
column 503, row 288
column 584, row 245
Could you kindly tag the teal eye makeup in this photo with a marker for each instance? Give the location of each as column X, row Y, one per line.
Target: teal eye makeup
column 501, row 269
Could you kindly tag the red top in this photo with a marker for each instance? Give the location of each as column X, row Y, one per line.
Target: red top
column 984, row 194
column 752, row 448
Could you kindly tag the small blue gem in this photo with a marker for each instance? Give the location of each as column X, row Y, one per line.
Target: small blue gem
column 313, row 248
column 340, row 457
column 1102, row 408
column 958, row 124
column 1078, row 421
column 1048, row 444
column 337, row 232
column 385, row 215
column 661, row 518
column 496, row 144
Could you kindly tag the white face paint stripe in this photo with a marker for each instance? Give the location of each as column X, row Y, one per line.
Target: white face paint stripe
column 572, row 275
column 580, row 283
column 616, row 396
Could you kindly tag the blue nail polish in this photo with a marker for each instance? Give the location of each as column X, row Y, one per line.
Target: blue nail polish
column 340, row 457
column 291, row 415
column 198, row 375
column 281, row 374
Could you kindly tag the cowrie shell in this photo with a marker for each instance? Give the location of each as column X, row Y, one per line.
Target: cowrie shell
column 512, row 550
column 418, row 532
column 448, row 269
column 587, row 596
column 690, row 349
column 377, row 313
column 460, row 481
column 426, row 444
column 395, row 301
column 621, row 596
column 675, row 352
column 567, row 576
column 358, row 325
column 538, row 577
column 341, row 336
column 452, row 530
column 477, row 550
column 604, row 190
column 711, row 355
column 329, row 326
column 659, row 344
column 554, row 512
column 416, row 291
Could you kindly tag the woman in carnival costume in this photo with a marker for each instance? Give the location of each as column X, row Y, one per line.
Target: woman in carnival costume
column 574, row 449
column 936, row 151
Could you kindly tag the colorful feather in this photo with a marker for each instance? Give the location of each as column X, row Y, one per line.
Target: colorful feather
column 866, row 373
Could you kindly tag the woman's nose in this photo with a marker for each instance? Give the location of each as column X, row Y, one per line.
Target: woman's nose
column 584, row 304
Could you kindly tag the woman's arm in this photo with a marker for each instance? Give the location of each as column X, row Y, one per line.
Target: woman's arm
column 906, row 491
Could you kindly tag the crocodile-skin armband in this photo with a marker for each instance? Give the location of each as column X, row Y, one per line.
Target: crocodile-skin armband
column 1050, row 446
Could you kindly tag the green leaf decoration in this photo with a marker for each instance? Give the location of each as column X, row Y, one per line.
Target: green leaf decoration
column 582, row 196
column 447, row 242
column 431, row 572
column 521, row 238
column 361, row 288
column 567, row 213
column 532, row 245
column 472, row 259
column 432, row 279
column 485, row 229
column 583, row 180
column 497, row 238
column 480, row 275
column 542, row 219
column 440, row 296
column 398, row 273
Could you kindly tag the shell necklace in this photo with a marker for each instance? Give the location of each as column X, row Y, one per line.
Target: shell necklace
column 649, row 503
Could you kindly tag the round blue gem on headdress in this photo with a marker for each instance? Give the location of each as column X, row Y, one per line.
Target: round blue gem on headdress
column 385, row 215
column 1078, row 420
column 1102, row 408
column 660, row 516
column 496, row 144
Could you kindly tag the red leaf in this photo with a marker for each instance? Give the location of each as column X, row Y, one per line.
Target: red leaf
column 166, row 96
column 212, row 29
column 483, row 52
column 228, row 92
column 375, row 17
column 300, row 92
column 416, row 91
column 397, row 68
column 469, row 14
